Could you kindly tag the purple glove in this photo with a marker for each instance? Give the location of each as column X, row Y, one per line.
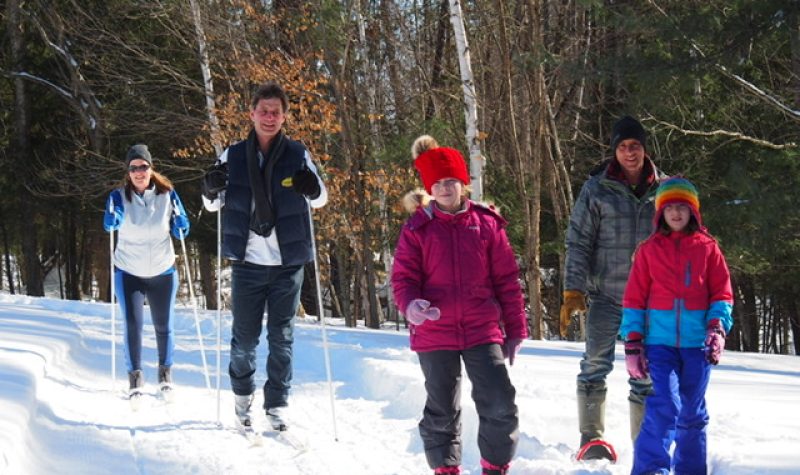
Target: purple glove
column 635, row 361
column 510, row 349
column 420, row 310
column 715, row 341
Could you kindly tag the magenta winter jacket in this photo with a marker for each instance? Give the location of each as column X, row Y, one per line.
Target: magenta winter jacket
column 464, row 265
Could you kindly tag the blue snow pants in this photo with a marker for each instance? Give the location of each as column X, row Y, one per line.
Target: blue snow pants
column 252, row 287
column 675, row 412
column 160, row 292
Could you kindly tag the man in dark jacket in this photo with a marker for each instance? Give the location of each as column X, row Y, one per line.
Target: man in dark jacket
column 613, row 213
column 264, row 185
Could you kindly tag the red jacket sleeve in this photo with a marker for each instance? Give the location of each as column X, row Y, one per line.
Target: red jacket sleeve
column 637, row 291
column 719, row 289
column 407, row 269
column 504, row 273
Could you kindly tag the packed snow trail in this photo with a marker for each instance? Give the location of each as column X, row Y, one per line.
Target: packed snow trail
column 59, row 413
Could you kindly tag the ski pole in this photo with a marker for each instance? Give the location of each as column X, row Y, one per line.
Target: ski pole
column 219, row 307
column 111, row 299
column 191, row 296
column 322, row 319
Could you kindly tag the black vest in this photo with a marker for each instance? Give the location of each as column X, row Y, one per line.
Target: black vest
column 290, row 208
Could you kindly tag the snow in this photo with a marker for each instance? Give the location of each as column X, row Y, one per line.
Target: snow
column 59, row 413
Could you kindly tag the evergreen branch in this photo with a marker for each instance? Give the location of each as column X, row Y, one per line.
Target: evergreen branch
column 752, row 88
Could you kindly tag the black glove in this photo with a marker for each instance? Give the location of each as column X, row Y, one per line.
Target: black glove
column 215, row 180
column 306, row 183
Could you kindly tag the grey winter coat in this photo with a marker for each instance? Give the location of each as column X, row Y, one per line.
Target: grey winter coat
column 606, row 224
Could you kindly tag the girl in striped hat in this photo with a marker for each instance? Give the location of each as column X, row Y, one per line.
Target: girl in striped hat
column 676, row 313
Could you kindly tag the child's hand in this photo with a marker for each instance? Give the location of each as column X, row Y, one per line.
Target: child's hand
column 420, row 310
column 510, row 349
column 715, row 341
column 635, row 360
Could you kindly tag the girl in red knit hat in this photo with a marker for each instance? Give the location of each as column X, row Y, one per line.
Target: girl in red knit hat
column 676, row 312
column 456, row 280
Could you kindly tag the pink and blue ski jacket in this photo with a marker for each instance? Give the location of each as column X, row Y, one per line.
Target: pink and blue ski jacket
column 678, row 283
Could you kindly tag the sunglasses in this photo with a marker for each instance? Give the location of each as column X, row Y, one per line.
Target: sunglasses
column 138, row 168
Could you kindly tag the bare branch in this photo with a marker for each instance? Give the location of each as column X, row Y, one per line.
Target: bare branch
column 729, row 134
column 46, row 82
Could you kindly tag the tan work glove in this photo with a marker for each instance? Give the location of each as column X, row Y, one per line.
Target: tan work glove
column 574, row 301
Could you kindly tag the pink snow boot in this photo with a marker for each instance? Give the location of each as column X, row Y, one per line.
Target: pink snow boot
column 447, row 470
column 492, row 469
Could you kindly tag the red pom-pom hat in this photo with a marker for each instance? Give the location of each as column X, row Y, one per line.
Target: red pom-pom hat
column 441, row 162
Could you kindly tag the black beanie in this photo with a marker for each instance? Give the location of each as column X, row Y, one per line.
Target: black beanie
column 628, row 128
column 138, row 151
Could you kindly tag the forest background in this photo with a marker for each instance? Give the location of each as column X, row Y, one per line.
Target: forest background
column 715, row 82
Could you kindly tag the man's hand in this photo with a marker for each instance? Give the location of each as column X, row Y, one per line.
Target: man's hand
column 574, row 301
column 215, row 180
column 306, row 183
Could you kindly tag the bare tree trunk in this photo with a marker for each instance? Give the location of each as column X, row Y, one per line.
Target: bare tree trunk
column 208, row 83
column 476, row 159
column 794, row 322
column 527, row 176
column 375, row 144
column 357, row 279
column 340, row 284
column 6, row 256
column 21, row 154
column 748, row 312
column 395, row 78
column 86, row 254
column 371, row 302
column 208, row 278
column 794, row 38
column 101, row 263
column 71, row 263
column 540, row 149
column 438, row 58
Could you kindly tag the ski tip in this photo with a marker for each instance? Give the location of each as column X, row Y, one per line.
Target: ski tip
column 256, row 440
column 292, row 440
column 167, row 394
column 135, row 401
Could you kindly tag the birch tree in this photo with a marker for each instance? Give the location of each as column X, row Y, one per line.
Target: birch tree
column 476, row 159
column 208, row 81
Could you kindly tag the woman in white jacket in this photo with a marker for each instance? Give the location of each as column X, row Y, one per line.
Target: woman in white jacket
column 144, row 210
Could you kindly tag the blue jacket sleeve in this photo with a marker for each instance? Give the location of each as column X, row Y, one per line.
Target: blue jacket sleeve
column 114, row 212
column 180, row 220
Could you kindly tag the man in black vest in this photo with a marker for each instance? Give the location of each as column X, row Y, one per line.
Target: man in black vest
column 264, row 185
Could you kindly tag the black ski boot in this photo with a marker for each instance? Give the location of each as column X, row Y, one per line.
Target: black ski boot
column 135, row 385
column 165, row 382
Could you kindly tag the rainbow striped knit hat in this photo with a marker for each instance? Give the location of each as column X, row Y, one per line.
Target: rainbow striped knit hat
column 677, row 189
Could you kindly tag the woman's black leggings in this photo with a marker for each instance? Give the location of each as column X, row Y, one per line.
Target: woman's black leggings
column 160, row 292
